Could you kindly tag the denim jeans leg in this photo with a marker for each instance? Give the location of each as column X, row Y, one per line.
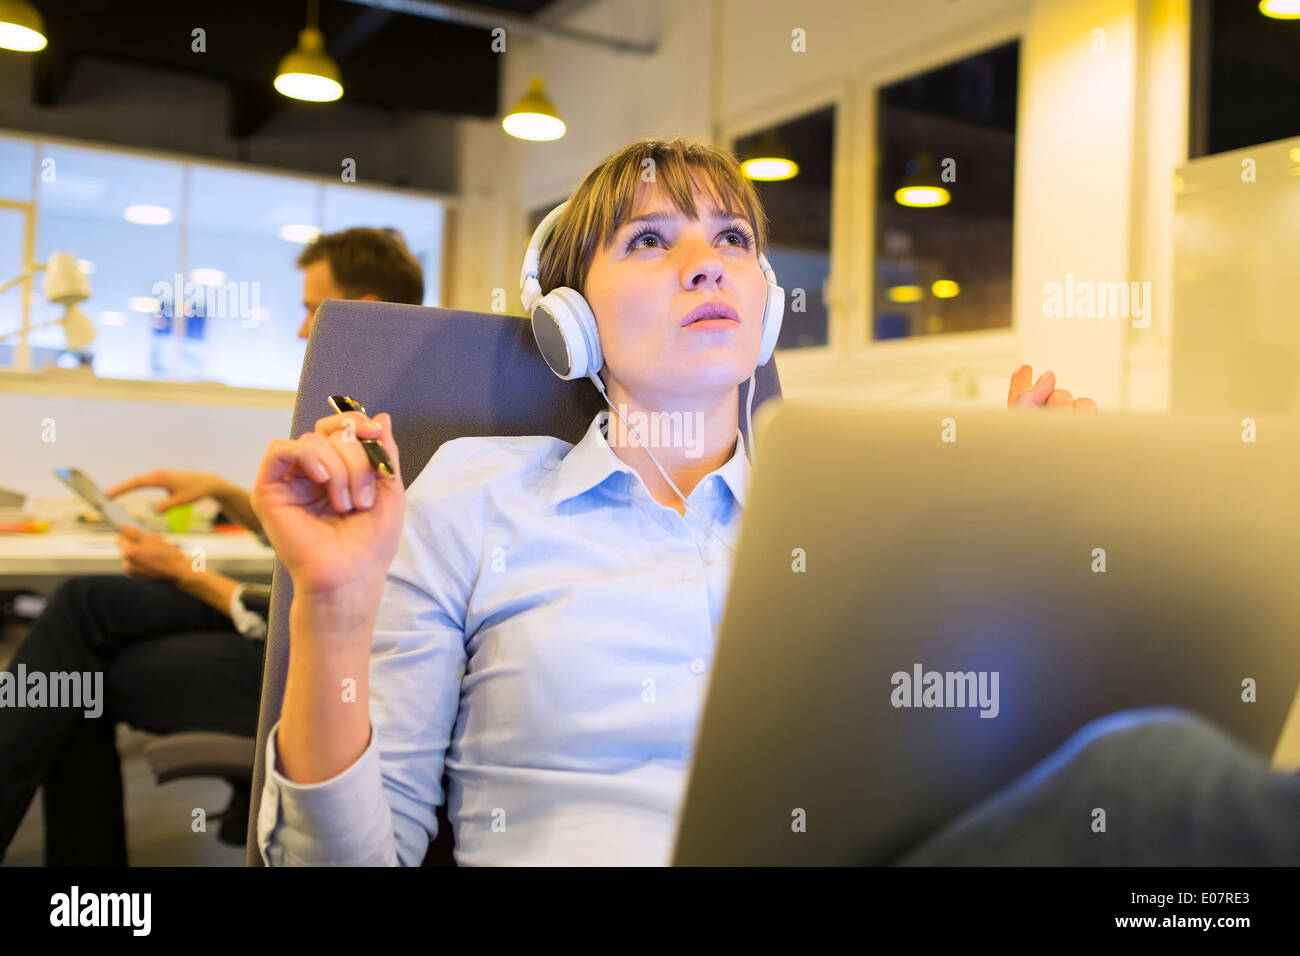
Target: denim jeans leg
column 1174, row 789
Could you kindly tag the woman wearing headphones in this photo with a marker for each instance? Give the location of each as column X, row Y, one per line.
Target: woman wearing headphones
column 535, row 616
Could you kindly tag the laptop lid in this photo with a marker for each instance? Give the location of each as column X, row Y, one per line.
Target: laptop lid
column 926, row 603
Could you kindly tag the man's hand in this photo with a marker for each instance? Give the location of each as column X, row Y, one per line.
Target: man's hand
column 152, row 556
column 182, row 487
column 1044, row 392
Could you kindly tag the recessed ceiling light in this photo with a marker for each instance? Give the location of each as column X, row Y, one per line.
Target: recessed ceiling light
column 905, row 293
column 297, row 232
column 144, row 303
column 771, row 169
column 143, row 215
column 922, row 196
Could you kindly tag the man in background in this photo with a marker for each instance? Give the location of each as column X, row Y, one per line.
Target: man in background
column 180, row 650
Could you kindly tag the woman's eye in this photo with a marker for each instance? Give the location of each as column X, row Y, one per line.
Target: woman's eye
column 635, row 241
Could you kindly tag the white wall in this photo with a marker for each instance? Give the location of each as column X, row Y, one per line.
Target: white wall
column 112, row 430
column 1100, row 134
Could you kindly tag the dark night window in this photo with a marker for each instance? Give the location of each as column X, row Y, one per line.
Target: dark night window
column 945, row 186
column 1245, row 77
column 799, row 217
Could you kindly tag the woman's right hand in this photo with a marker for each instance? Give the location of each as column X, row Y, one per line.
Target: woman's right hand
column 332, row 519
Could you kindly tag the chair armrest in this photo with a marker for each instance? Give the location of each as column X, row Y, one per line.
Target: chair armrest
column 201, row 755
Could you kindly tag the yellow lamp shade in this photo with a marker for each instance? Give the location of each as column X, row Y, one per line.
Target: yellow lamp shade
column 534, row 117
column 308, row 73
column 1280, row 9
column 21, row 28
column 78, row 329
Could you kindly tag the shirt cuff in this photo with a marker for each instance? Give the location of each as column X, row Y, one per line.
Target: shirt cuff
column 343, row 821
column 248, row 623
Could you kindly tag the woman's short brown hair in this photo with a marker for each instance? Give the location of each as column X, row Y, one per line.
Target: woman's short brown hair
column 367, row 261
column 604, row 200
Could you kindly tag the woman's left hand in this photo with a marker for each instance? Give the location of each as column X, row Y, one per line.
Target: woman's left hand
column 1044, row 392
column 152, row 556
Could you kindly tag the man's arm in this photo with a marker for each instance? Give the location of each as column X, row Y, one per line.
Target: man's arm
column 234, row 502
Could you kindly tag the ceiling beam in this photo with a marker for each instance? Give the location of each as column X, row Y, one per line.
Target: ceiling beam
column 487, row 18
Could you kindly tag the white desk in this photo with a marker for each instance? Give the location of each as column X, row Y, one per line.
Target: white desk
column 40, row 561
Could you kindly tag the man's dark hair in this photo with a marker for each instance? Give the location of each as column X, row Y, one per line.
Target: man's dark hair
column 369, row 261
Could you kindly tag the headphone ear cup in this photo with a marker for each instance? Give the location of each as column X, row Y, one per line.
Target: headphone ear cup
column 565, row 330
column 773, row 313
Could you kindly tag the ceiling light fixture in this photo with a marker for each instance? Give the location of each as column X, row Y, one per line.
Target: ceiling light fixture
column 1280, row 9
column 534, row 117
column 21, row 28
column 308, row 73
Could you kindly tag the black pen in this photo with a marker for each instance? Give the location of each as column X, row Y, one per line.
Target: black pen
column 374, row 450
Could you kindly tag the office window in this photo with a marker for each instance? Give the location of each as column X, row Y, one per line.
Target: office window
column 1245, row 77
column 83, row 200
column 243, row 329
column 17, row 165
column 945, row 186
column 799, row 215
column 16, row 159
column 13, row 228
column 191, row 266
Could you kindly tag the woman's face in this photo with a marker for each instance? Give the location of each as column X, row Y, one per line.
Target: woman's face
column 651, row 276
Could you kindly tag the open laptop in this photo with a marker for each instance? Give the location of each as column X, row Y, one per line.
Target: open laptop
column 970, row 558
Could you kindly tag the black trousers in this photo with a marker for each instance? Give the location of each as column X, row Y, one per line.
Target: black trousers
column 170, row 663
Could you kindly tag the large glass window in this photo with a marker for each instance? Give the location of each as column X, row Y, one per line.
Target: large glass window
column 800, row 152
column 13, row 237
column 191, row 266
column 1245, row 75
column 119, row 215
column 251, row 307
column 945, row 186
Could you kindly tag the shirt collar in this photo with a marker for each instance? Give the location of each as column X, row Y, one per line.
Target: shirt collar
column 591, row 461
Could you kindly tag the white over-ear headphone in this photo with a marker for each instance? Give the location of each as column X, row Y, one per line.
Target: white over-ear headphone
column 565, row 327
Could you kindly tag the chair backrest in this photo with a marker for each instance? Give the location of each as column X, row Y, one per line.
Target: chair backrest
column 441, row 374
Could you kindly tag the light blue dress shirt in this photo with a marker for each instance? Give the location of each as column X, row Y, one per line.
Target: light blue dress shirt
column 547, row 630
